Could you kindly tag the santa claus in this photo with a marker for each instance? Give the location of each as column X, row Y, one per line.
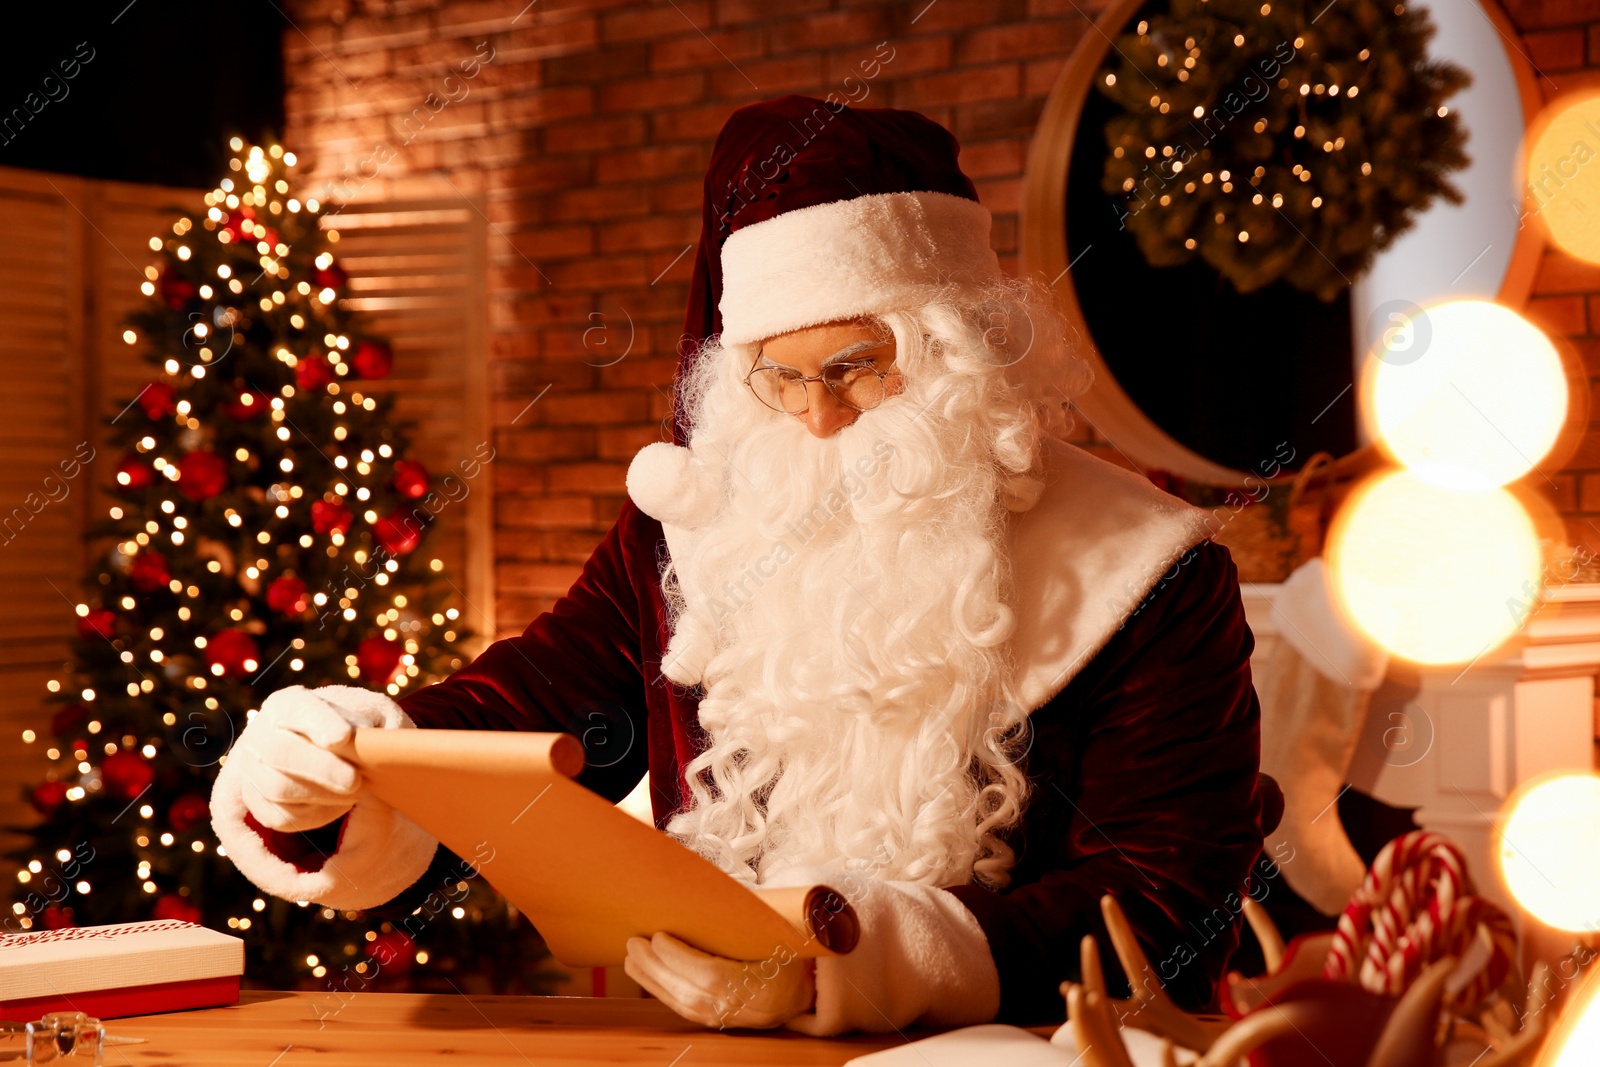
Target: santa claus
column 868, row 621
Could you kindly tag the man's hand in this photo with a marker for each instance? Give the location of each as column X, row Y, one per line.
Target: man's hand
column 291, row 775
column 716, row 991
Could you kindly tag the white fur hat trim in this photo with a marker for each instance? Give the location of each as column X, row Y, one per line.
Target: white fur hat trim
column 864, row 256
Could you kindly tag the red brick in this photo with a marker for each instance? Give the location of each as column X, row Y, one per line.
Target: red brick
column 544, row 511
column 605, row 64
column 624, row 442
column 584, row 478
column 598, row 272
column 989, row 159
column 657, row 232
column 926, row 16
column 1555, row 49
column 1561, row 273
column 596, row 409
column 533, row 39
column 1562, row 315
column 898, row 59
column 705, row 50
column 771, row 77
column 587, row 135
column 552, row 579
column 962, row 86
column 835, row 28
column 543, row 445
column 1564, row 494
column 542, row 106
column 730, row 12
column 654, row 21
column 690, row 123
column 1039, row 76
column 653, row 93
column 995, row 118
column 610, row 201
column 994, row 44
column 649, row 164
column 632, row 373
column 553, row 242
column 678, row 196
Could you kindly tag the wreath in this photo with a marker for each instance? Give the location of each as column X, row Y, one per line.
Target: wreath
column 1279, row 140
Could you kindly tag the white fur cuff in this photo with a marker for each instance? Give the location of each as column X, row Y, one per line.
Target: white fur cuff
column 380, row 854
column 922, row 960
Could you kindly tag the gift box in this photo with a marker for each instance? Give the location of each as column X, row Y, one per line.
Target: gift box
column 115, row 971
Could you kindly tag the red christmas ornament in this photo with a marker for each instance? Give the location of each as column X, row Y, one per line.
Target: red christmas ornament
column 327, row 516
column 101, row 622
column 313, row 372
column 68, row 719
column 287, row 595
column 126, row 774
column 270, row 236
column 378, row 659
column 332, row 276
column 56, row 917
column 233, row 225
column 134, row 473
column 158, row 400
column 48, row 796
column 189, row 811
column 373, row 359
column 202, row 475
column 398, row 532
column 410, row 478
column 235, row 651
column 173, row 906
column 176, row 291
column 249, row 403
column 393, row 952
column 149, row 571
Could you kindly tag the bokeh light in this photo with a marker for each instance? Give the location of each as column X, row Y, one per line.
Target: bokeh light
column 1472, row 398
column 1548, row 850
column 1564, row 175
column 1577, row 1035
column 1428, row 572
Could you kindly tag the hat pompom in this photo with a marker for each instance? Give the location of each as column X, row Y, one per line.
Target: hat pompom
column 670, row 485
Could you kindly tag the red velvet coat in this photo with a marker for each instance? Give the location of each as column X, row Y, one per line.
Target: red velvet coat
column 1143, row 766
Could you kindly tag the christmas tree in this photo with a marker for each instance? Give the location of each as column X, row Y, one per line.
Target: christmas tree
column 265, row 534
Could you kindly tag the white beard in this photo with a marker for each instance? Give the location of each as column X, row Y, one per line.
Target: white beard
column 845, row 611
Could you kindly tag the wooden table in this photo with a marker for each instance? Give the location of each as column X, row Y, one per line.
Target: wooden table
column 389, row 1029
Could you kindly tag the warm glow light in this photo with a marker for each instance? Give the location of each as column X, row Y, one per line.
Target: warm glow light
column 1549, row 851
column 1429, row 572
column 1563, row 175
column 1577, row 1035
column 1468, row 396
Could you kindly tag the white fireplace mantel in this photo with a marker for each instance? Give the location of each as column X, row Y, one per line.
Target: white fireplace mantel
column 1455, row 742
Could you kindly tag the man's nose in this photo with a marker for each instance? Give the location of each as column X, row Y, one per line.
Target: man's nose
column 825, row 415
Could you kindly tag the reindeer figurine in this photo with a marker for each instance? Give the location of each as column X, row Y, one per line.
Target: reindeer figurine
column 1410, row 1036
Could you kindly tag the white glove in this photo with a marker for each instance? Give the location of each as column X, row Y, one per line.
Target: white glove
column 716, row 991
column 922, row 959
column 290, row 775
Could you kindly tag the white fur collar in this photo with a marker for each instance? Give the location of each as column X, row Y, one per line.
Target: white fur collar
column 1083, row 558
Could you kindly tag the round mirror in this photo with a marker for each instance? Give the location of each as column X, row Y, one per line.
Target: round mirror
column 1216, row 386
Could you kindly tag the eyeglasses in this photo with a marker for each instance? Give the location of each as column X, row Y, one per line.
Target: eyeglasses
column 860, row 385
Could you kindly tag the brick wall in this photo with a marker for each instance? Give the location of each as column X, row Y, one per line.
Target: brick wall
column 1562, row 40
column 589, row 130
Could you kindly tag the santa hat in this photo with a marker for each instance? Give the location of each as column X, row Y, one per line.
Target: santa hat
column 815, row 211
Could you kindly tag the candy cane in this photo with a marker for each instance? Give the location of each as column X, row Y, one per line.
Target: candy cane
column 1415, row 906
